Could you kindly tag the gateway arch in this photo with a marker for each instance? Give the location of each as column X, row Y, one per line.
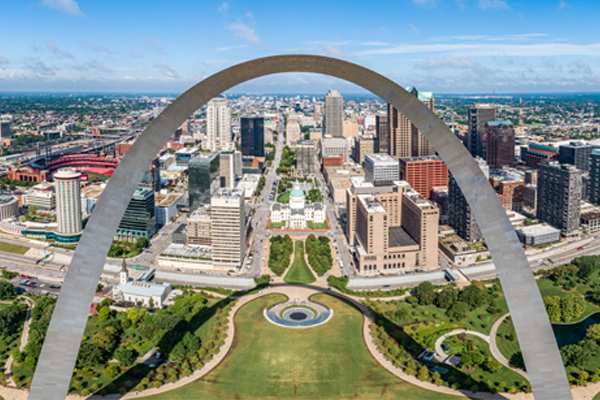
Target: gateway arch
column 538, row 345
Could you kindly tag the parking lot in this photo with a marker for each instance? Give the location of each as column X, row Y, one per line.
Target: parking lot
column 31, row 284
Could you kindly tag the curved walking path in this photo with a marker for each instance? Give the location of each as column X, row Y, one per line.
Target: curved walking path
column 10, row 382
column 496, row 351
column 438, row 343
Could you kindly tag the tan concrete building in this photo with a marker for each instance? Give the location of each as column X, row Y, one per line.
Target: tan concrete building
column 392, row 228
column 228, row 228
column 293, row 131
column 364, row 145
column 350, row 129
column 199, row 231
column 338, row 181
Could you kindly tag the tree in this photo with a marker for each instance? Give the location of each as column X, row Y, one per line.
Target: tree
column 7, row 290
column 402, row 313
column 493, row 365
column 90, row 354
column 587, row 265
column 593, row 333
column 125, row 356
column 141, row 243
column 425, row 293
column 553, row 308
column 104, row 314
column 458, row 310
column 446, row 297
column 474, row 296
column 111, row 372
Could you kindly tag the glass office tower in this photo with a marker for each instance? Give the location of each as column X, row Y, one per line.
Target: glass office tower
column 204, row 179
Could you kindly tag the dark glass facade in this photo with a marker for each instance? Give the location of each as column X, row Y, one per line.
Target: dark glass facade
column 253, row 136
column 151, row 178
column 203, row 178
column 139, row 219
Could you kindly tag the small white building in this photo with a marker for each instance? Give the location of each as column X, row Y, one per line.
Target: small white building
column 535, row 235
column 297, row 213
column 136, row 291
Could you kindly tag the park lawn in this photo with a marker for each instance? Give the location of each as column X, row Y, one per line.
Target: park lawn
column 547, row 288
column 505, row 375
column 299, row 271
column 284, row 198
column 509, row 348
column 312, row 225
column 269, row 362
column 276, row 225
column 13, row 248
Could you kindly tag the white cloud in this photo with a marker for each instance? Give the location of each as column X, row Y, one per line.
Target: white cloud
column 493, row 4
column 223, row 8
column 414, row 30
column 98, row 66
column 100, row 49
column 42, row 69
column 58, row 52
column 3, row 60
column 492, row 49
column 166, row 69
column 67, row 6
column 230, row 47
column 134, row 53
column 244, row 32
column 156, row 43
column 448, row 62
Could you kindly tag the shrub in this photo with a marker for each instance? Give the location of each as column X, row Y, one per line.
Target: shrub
column 157, row 384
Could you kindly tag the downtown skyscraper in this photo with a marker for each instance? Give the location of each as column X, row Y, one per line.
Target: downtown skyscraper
column 218, row 124
column 334, row 114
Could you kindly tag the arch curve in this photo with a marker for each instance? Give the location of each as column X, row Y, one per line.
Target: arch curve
column 540, row 351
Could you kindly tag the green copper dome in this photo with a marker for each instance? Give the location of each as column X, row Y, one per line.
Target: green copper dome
column 297, row 193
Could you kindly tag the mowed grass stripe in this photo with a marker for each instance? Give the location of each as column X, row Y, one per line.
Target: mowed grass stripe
column 326, row 362
column 299, row 272
column 13, row 248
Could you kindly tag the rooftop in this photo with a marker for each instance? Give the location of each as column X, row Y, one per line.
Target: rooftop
column 400, row 238
column 538, row 229
column 421, row 159
column 143, row 288
column 381, row 158
column 166, row 200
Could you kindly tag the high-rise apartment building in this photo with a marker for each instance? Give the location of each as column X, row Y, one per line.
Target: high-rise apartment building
column 228, row 228
column 404, row 139
column 305, row 157
column 334, row 114
column 230, row 166
column 499, row 144
column 5, row 130
column 559, row 196
column 381, row 167
column 139, row 219
column 576, row 153
column 151, row 178
column 203, row 179
column 293, row 131
column 334, row 147
column 218, row 124
column 594, row 181
column 253, row 136
column 479, row 115
column 460, row 217
column 511, row 191
column 381, row 131
column 424, row 173
column 67, row 182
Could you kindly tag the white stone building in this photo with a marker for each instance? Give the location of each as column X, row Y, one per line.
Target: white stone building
column 297, row 213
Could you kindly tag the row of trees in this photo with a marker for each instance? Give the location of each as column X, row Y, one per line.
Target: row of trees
column 10, row 321
column 319, row 254
column 314, row 195
column 564, row 309
column 282, row 248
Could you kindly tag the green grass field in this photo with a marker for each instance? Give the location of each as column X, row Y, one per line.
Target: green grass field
column 299, row 271
column 326, row 362
column 312, row 225
column 13, row 248
column 284, row 198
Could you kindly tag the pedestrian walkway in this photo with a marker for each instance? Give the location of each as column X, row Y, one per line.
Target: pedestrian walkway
column 496, row 351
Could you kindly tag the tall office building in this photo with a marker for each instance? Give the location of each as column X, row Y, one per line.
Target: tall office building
column 381, row 167
column 366, row 144
column 203, row 179
column 67, row 183
column 479, row 115
column 460, row 217
column 576, row 153
column 559, row 196
column 305, row 157
column 381, row 131
column 424, row 173
column 293, row 131
column 334, row 114
column 151, row 178
column 594, row 181
column 227, row 168
column 139, row 219
column 199, row 227
column 5, row 130
column 218, row 124
column 228, row 228
column 499, row 144
column 253, row 136
column 404, row 139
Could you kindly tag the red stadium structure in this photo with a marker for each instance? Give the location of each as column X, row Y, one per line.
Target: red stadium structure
column 41, row 168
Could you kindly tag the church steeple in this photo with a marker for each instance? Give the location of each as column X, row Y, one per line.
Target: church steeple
column 124, row 273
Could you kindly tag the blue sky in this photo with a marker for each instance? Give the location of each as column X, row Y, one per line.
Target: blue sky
column 446, row 46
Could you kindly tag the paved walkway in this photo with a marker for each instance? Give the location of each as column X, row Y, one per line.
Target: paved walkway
column 438, row 343
column 24, row 338
column 496, row 351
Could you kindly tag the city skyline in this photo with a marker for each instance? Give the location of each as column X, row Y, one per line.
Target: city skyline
column 441, row 46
